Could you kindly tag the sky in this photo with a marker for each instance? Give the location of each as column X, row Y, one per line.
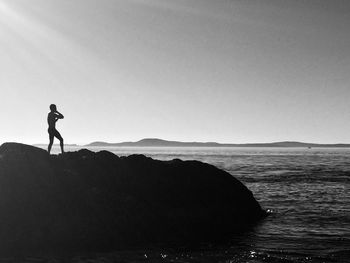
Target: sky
column 190, row 70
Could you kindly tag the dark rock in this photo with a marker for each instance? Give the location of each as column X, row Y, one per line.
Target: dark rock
column 85, row 200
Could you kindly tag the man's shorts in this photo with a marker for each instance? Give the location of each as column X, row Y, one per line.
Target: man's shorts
column 54, row 133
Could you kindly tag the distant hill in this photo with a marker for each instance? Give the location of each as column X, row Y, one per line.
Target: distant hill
column 154, row 142
column 41, row 145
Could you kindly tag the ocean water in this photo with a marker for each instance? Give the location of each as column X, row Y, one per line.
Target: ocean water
column 306, row 191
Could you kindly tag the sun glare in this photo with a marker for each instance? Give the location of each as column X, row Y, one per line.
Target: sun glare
column 7, row 14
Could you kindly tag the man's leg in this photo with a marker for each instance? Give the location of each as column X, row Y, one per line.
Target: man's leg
column 61, row 144
column 58, row 136
column 50, row 144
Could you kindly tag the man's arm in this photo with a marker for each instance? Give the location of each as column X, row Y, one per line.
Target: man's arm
column 59, row 115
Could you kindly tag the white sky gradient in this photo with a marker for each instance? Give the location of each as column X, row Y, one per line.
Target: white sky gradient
column 191, row 70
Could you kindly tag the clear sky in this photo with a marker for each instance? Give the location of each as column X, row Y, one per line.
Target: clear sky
column 192, row 70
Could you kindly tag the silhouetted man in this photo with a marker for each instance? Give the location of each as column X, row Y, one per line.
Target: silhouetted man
column 52, row 118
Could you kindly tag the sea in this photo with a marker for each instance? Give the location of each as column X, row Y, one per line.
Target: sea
column 306, row 192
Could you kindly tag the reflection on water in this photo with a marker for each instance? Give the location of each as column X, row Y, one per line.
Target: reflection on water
column 307, row 191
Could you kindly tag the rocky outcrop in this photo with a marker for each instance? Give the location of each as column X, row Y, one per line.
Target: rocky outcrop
column 85, row 200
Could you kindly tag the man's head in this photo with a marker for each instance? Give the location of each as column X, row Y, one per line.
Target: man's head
column 53, row 107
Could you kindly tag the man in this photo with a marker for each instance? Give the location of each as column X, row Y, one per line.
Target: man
column 52, row 118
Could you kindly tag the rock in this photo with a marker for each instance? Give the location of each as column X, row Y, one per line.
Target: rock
column 92, row 201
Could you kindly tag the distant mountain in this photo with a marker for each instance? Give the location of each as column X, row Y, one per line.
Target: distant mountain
column 45, row 145
column 154, row 142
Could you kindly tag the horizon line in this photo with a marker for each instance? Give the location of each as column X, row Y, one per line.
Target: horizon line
column 204, row 142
